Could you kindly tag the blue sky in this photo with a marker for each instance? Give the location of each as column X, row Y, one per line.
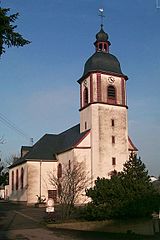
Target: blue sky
column 39, row 89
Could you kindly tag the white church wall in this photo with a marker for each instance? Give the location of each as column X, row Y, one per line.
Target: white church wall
column 18, row 193
column 86, row 142
column 38, row 179
column 84, row 155
column 85, row 120
column 103, row 150
column 80, row 154
column 65, row 157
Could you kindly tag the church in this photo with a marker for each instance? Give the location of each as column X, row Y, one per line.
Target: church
column 100, row 140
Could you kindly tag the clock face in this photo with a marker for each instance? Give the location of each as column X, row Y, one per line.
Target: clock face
column 111, row 79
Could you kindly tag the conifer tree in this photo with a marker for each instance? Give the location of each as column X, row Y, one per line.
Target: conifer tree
column 140, row 196
column 8, row 36
column 130, row 193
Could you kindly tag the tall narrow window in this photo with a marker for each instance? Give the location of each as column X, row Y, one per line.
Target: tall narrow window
column 69, row 164
column 113, row 139
column 112, row 122
column 85, row 125
column 111, row 92
column 59, row 172
column 22, row 178
column 17, row 179
column 12, row 180
column 85, row 96
column 113, row 161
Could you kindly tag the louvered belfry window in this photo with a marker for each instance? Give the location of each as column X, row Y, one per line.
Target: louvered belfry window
column 111, row 92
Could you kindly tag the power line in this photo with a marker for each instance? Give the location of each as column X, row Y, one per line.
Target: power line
column 157, row 4
column 12, row 126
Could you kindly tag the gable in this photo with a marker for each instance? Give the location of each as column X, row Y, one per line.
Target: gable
column 131, row 146
column 85, row 141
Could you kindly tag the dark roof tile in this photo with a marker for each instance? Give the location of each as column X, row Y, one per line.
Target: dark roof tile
column 51, row 144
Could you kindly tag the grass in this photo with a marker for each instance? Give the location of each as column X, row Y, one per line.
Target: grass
column 137, row 229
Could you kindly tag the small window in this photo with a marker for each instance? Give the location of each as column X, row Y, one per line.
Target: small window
column 59, row 172
column 111, row 92
column 112, row 122
column 113, row 139
column 85, row 96
column 113, row 161
column 85, row 125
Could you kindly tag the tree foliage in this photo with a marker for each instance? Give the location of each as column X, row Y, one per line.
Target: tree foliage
column 4, row 175
column 128, row 194
column 71, row 185
column 8, row 36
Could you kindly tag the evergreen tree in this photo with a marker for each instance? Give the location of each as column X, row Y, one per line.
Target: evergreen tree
column 140, row 196
column 8, row 36
column 127, row 194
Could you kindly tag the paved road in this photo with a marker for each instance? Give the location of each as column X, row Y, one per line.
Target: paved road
column 19, row 222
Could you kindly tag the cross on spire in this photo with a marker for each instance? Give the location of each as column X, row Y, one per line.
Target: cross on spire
column 101, row 14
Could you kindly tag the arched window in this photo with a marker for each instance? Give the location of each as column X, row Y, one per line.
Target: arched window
column 12, row 180
column 22, row 177
column 17, row 179
column 85, row 96
column 59, row 171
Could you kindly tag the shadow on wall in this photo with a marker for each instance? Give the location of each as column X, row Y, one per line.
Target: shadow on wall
column 23, row 187
column 33, row 183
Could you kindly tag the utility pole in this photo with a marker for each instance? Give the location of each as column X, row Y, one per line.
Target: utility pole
column 40, row 183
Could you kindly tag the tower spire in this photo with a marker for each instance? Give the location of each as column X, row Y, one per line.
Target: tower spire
column 102, row 16
column 102, row 44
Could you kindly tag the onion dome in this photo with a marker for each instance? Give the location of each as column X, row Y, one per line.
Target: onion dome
column 101, row 36
column 102, row 60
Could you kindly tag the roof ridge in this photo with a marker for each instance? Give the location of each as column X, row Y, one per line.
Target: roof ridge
column 69, row 129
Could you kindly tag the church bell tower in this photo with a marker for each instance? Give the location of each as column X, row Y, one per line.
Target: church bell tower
column 103, row 109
